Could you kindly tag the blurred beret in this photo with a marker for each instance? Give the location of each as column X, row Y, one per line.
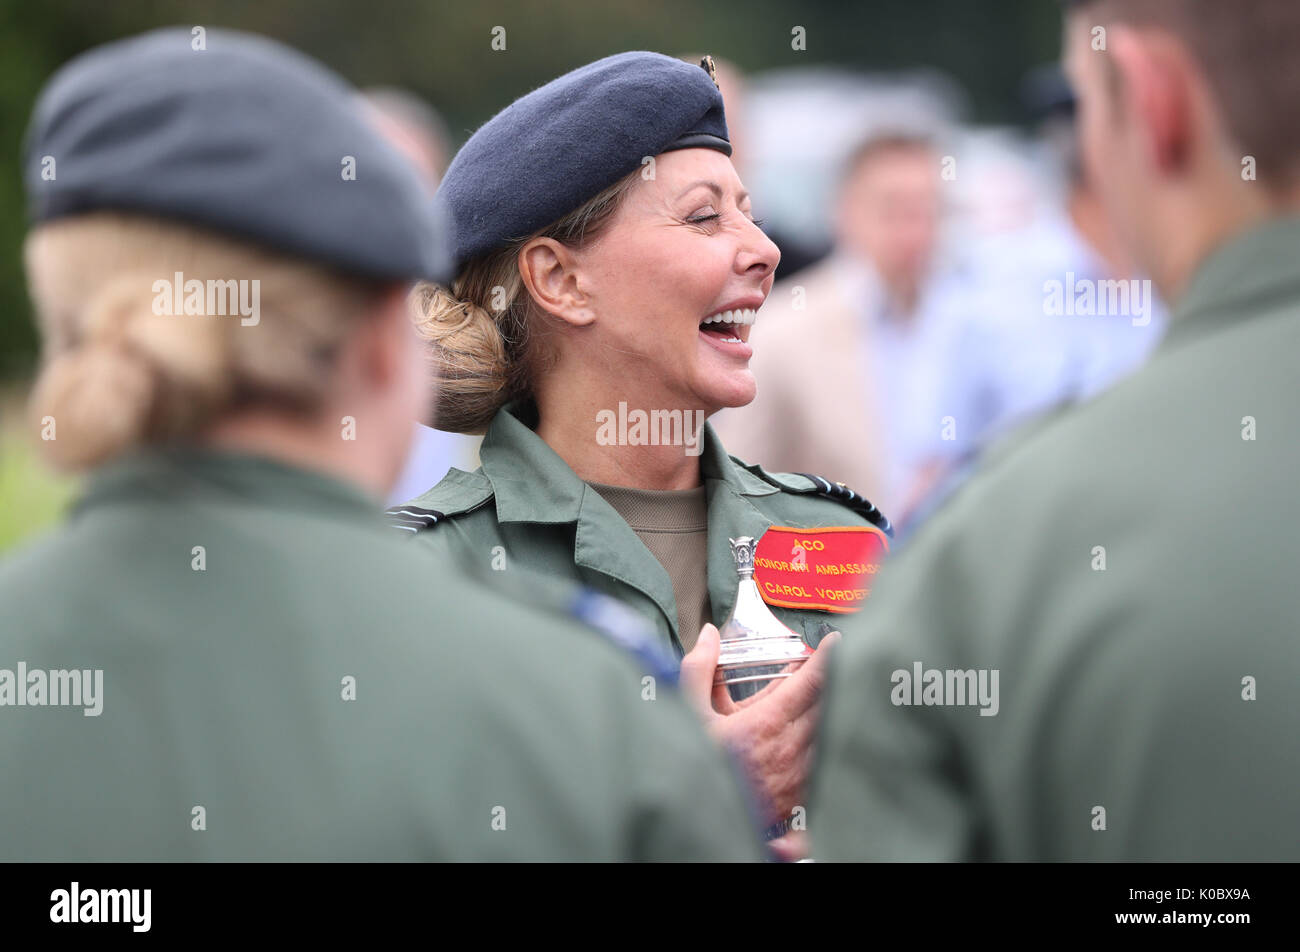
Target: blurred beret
column 246, row 137
column 560, row 145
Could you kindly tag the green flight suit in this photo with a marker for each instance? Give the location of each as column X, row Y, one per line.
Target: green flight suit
column 1129, row 569
column 524, row 506
column 282, row 679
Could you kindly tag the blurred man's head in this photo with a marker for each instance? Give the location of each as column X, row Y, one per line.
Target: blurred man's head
column 889, row 210
column 1186, row 119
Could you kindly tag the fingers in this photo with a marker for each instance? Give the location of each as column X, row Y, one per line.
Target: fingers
column 698, row 667
column 776, row 755
column 790, row 848
column 722, row 702
column 768, row 688
column 757, row 698
column 800, row 692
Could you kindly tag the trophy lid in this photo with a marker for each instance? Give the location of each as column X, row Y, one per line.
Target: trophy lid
column 742, row 550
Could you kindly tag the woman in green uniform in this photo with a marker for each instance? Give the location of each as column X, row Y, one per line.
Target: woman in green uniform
column 609, row 272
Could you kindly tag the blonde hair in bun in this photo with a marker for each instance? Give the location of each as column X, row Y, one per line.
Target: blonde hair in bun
column 482, row 332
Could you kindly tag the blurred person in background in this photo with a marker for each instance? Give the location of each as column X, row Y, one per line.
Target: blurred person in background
column 1126, row 571
column 795, row 254
column 1105, row 347
column 225, row 654
column 1066, row 313
column 856, row 357
column 413, row 127
column 416, row 130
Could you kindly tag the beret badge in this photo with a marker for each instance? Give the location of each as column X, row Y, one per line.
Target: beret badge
column 706, row 64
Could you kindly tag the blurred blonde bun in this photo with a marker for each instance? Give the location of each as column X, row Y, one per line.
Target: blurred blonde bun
column 118, row 376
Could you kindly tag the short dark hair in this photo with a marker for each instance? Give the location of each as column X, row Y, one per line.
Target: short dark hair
column 1247, row 49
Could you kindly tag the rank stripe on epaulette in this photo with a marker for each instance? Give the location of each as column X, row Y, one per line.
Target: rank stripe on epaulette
column 412, row 519
column 860, row 504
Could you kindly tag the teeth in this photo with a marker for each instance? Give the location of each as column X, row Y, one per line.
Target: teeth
column 739, row 316
column 732, row 340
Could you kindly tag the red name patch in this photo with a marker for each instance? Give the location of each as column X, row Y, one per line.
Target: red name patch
column 829, row 568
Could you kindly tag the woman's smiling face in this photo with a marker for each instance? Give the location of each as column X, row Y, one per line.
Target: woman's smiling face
column 672, row 284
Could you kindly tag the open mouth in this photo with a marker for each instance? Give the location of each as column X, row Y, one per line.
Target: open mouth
column 730, row 327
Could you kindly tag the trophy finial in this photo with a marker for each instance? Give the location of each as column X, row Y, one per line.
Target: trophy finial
column 742, row 550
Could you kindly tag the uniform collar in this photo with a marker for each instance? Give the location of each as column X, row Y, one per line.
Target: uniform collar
column 1239, row 280
column 532, row 483
column 178, row 472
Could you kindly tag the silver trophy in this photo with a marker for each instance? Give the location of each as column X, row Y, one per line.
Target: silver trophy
column 756, row 647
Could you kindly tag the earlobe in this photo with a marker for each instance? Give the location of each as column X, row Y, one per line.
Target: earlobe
column 549, row 273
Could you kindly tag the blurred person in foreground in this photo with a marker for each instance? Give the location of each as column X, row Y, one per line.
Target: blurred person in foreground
column 856, row 357
column 225, row 654
column 1089, row 653
column 1075, row 247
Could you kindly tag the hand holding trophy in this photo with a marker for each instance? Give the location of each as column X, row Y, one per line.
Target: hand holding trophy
column 758, row 687
column 756, row 647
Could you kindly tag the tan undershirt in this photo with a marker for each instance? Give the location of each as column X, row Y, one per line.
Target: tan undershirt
column 673, row 524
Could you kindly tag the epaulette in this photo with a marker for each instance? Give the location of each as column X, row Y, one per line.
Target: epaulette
column 808, row 484
column 457, row 493
column 847, row 497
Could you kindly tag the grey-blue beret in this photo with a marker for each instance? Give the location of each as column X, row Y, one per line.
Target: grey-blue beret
column 553, row 149
column 241, row 135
